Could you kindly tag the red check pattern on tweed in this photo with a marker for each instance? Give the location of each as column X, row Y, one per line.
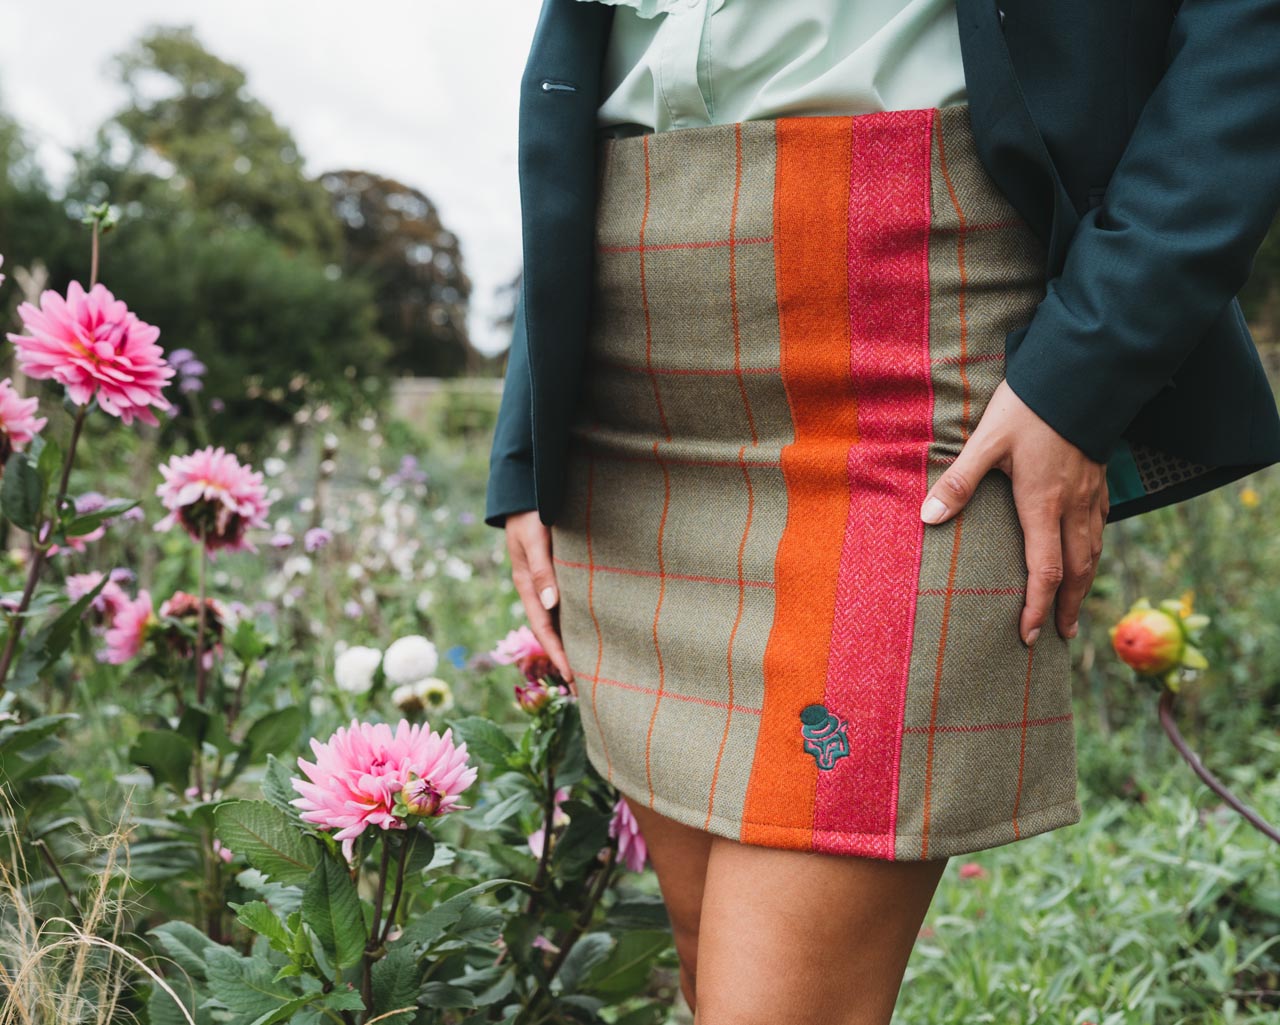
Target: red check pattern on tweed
column 797, row 323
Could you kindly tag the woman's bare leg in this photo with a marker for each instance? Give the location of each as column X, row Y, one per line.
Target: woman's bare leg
column 678, row 854
column 797, row 938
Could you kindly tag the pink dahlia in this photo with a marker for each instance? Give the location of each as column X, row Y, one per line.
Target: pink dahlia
column 360, row 772
column 107, row 602
column 631, row 846
column 184, row 608
column 522, row 647
column 94, row 346
column 211, row 491
column 518, row 646
column 129, row 629
column 18, row 422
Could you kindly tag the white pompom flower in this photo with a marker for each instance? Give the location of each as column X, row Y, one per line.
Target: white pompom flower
column 353, row 669
column 426, row 696
column 410, row 659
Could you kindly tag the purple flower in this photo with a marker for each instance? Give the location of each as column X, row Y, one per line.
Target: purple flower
column 316, row 538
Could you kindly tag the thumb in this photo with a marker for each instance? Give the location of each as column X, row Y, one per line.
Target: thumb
column 951, row 492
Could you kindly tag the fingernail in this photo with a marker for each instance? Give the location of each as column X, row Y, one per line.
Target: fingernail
column 548, row 597
column 1073, row 629
column 1031, row 637
column 932, row 510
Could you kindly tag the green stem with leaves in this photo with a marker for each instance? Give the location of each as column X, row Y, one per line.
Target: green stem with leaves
column 374, row 944
column 41, row 542
column 542, row 995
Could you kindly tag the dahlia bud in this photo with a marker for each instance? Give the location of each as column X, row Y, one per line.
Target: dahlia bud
column 533, row 696
column 421, row 797
column 1156, row 641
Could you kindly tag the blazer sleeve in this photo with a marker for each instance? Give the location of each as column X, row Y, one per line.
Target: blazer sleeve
column 510, row 487
column 1175, row 237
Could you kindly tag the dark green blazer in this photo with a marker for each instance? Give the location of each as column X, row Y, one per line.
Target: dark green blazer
column 1140, row 139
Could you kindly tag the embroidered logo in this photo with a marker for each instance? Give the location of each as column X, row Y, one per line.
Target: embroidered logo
column 825, row 734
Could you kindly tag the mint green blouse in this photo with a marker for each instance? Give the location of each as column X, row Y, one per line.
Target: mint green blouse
column 681, row 63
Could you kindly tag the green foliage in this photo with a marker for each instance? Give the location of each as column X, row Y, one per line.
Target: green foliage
column 269, row 841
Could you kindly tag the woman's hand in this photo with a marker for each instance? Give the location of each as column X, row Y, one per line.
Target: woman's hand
column 1062, row 501
column 529, row 544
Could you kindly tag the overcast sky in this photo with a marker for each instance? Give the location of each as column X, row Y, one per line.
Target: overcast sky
column 424, row 91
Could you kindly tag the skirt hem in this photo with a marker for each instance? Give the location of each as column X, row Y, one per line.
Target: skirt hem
column 941, row 845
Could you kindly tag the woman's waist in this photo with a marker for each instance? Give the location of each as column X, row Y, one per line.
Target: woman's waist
column 697, row 187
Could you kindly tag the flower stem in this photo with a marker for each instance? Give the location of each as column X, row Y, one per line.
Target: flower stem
column 39, row 551
column 601, row 883
column 544, row 860
column 395, row 896
column 371, row 947
column 200, row 620
column 1210, row 780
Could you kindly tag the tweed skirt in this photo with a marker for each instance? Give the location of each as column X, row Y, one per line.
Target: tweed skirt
column 796, row 324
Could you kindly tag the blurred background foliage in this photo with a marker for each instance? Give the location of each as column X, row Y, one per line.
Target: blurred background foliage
column 291, row 289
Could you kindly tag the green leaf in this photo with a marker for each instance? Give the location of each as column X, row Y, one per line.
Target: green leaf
column 444, row 994
column 161, row 1009
column 258, row 917
column 505, row 809
column 48, row 460
column 268, row 839
column 90, row 522
column 583, row 838
column 247, row 643
column 486, row 741
column 428, row 927
column 245, row 984
column 590, row 950
column 186, row 944
column 343, row 1000
column 626, row 970
column 21, row 492
column 201, row 727
column 395, row 984
column 331, row 907
column 274, row 732
column 653, row 1014
column 641, row 911
column 43, row 647
column 277, row 789
column 26, row 747
column 284, row 1012
column 165, row 754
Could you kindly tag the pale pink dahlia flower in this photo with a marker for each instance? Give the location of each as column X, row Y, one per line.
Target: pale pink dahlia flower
column 211, row 490
column 632, row 850
column 522, row 647
column 107, row 602
column 129, row 629
column 521, row 643
column 18, row 422
column 359, row 772
column 93, row 345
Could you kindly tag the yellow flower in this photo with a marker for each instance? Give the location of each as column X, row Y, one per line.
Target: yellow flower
column 1249, row 498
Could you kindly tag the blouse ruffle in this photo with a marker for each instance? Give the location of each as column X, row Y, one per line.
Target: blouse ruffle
column 643, row 8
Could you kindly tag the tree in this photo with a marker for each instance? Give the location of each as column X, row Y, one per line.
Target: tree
column 395, row 240
column 192, row 125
